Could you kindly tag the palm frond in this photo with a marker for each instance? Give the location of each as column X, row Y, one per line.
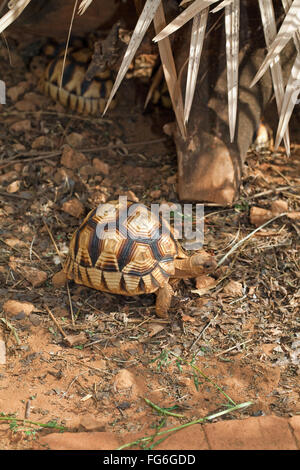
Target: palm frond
column 232, row 27
column 183, row 18
column 290, row 99
column 168, row 64
column 289, row 27
column 197, row 39
column 84, row 6
column 140, row 29
column 16, row 9
column 270, row 31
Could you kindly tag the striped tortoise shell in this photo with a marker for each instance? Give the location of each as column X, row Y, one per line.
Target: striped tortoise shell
column 76, row 92
column 122, row 248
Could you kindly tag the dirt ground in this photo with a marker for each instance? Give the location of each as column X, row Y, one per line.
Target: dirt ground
column 231, row 338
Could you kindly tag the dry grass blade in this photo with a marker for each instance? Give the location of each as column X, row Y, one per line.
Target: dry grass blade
column 197, row 39
column 232, row 26
column 240, row 242
column 169, row 69
column 13, row 14
column 269, row 25
column 290, row 25
column 183, row 18
column 140, row 29
column 67, row 44
column 290, row 99
column 84, row 6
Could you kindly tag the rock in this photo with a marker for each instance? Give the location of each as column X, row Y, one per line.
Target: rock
column 21, row 126
column 74, row 139
column 24, row 105
column 12, row 242
column 59, row 279
column 87, row 170
column 75, row 340
column 73, row 207
column 34, row 276
column 63, row 174
column 155, row 194
column 73, row 159
column 279, row 206
column 125, row 383
column 9, row 176
column 234, row 289
column 294, row 215
column 15, row 91
column 101, row 166
column 35, row 319
column 18, row 148
column 41, row 142
column 14, row 307
column 14, row 186
column 36, row 99
column 259, row 216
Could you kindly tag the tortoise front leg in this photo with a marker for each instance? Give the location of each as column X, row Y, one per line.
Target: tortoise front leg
column 163, row 300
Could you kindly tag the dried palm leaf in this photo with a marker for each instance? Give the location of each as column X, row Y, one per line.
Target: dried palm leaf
column 232, row 27
column 290, row 99
column 183, row 18
column 84, row 6
column 197, row 39
column 140, row 29
column 223, row 4
column 286, row 5
column 169, row 69
column 290, row 25
column 16, row 9
column 270, row 31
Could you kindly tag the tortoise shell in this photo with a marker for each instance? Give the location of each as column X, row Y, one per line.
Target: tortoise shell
column 122, row 248
column 76, row 92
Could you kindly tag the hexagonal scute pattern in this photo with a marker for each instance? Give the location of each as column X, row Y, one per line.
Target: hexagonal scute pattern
column 120, row 247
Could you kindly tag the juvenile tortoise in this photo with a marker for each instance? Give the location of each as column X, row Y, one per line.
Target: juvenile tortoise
column 123, row 248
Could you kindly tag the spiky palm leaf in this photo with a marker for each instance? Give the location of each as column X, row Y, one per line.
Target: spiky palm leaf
column 290, row 28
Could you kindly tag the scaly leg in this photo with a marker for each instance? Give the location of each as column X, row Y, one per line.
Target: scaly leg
column 163, row 300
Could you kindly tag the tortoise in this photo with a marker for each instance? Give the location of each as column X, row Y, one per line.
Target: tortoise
column 77, row 92
column 122, row 247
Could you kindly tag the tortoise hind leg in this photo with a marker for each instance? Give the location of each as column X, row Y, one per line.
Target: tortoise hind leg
column 163, row 300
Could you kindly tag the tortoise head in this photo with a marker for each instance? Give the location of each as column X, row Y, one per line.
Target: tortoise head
column 195, row 265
